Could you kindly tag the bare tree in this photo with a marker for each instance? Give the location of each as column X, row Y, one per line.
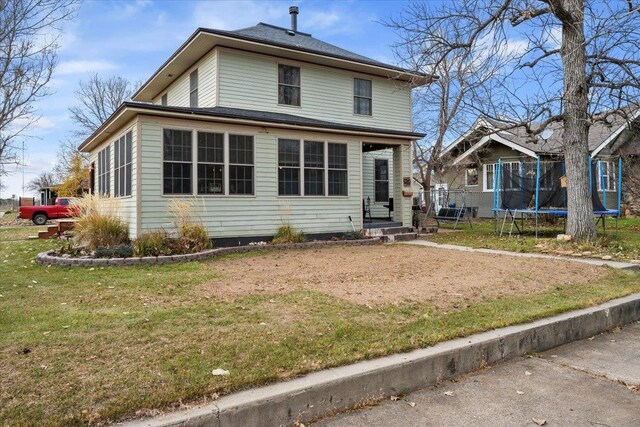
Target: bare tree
column 97, row 99
column 44, row 180
column 29, row 30
column 577, row 63
column 441, row 109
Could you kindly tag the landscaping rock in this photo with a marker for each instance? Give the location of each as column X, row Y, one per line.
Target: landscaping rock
column 607, row 257
column 564, row 237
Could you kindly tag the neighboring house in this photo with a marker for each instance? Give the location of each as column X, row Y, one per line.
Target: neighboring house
column 474, row 156
column 263, row 126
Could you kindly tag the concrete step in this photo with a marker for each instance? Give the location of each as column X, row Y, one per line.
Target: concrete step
column 401, row 237
column 388, row 231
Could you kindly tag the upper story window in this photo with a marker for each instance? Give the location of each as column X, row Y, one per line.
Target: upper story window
column 177, row 158
column 122, row 166
column 193, row 89
column 381, row 179
column 164, row 100
column 362, row 97
column 104, row 171
column 288, row 85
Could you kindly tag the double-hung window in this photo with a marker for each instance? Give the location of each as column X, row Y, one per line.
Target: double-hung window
column 164, row 100
column 311, row 168
column 362, row 97
column 193, row 89
column 288, row 167
column 314, row 168
column 104, row 171
column 122, row 166
column 337, row 169
column 381, row 180
column 606, row 173
column 288, row 85
column 489, row 176
column 240, row 164
column 210, row 163
column 177, row 161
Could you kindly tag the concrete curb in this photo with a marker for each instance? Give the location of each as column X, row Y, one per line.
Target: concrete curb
column 330, row 391
column 48, row 259
column 591, row 261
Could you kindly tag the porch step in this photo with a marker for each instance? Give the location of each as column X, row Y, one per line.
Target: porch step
column 386, row 231
column 401, row 237
column 52, row 230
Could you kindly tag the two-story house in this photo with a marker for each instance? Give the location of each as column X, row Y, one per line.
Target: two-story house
column 261, row 126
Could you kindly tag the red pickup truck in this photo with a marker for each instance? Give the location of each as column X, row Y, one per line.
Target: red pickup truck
column 40, row 214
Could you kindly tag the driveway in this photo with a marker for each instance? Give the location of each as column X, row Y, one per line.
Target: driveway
column 594, row 382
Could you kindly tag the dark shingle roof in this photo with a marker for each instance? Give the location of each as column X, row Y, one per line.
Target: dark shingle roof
column 283, row 37
column 269, row 117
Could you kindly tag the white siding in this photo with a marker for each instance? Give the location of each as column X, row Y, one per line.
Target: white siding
column 178, row 92
column 126, row 205
column 251, row 81
column 368, row 179
column 259, row 215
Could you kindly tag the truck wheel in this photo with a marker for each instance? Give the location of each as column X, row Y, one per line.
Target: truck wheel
column 40, row 219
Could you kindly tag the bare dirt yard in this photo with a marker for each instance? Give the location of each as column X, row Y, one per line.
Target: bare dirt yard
column 375, row 275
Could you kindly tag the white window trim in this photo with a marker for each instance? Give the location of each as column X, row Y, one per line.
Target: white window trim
column 301, row 168
column 104, row 172
column 194, row 89
column 608, row 169
column 123, row 168
column 484, row 176
column 194, row 163
column 284, row 84
column 370, row 98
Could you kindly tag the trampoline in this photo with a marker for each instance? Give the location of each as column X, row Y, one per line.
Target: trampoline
column 537, row 189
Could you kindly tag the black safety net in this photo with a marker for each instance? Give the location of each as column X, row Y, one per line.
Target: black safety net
column 518, row 186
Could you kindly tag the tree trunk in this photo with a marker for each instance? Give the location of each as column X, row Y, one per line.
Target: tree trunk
column 580, row 222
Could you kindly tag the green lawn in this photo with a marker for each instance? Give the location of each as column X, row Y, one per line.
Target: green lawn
column 110, row 343
column 621, row 245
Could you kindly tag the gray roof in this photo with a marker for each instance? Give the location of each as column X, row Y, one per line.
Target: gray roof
column 598, row 133
column 283, row 37
column 270, row 117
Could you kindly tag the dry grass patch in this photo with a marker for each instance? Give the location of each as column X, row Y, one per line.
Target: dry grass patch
column 395, row 274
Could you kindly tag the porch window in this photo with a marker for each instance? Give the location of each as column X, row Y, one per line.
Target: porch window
column 240, row 164
column 210, row 163
column 177, row 162
column 288, row 167
column 104, row 171
column 381, row 180
column 193, row 89
column 337, row 172
column 314, row 168
column 288, row 85
column 472, row 177
column 362, row 97
column 122, row 165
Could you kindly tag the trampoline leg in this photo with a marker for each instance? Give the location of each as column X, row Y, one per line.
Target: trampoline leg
column 536, row 224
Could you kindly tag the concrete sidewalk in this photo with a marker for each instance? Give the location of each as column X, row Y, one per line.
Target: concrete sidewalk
column 589, row 383
column 591, row 261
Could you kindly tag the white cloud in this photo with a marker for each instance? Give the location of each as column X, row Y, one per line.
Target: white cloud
column 231, row 15
column 83, row 67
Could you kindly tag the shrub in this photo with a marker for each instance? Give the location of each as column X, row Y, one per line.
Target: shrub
column 152, row 243
column 98, row 223
column 353, row 235
column 288, row 234
column 119, row 251
column 193, row 238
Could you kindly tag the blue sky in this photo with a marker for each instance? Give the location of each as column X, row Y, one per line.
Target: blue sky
column 132, row 38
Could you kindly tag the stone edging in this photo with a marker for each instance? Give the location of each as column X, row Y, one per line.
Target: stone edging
column 49, row 259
